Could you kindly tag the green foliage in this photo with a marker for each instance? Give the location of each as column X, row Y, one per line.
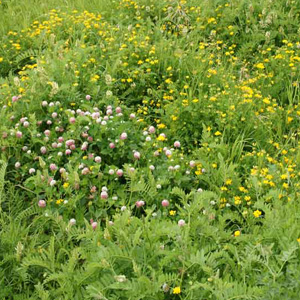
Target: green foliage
column 199, row 200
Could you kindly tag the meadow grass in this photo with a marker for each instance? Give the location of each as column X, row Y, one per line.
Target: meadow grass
column 149, row 149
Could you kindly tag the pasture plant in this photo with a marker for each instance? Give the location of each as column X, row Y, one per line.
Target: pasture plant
column 149, row 150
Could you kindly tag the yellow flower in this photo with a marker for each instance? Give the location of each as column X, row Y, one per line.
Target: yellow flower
column 257, row 213
column 66, row 184
column 237, row 200
column 198, row 172
column 260, row 66
column 228, row 182
column 177, row 290
column 161, row 126
column 161, row 138
column 1, row 59
column 212, row 71
column 237, row 233
column 298, row 240
column 242, row 189
column 266, row 100
column 59, row 201
column 172, row 212
column 218, row 133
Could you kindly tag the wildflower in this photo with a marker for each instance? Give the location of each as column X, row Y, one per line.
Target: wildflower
column 257, row 213
column 19, row 134
column 237, row 233
column 165, row 203
column 14, row 98
column 260, row 66
column 120, row 278
column 165, row 287
column 237, row 200
column 84, row 146
column 123, row 136
column 97, row 159
column 151, row 129
column 53, row 167
column 72, row 221
column 52, row 182
column 94, row 225
column 177, row 144
column 137, row 155
column 59, row 201
column 161, row 137
column 228, row 182
column 85, row 171
column 172, row 212
column 72, row 120
column 177, row 290
column 161, row 126
column 168, row 153
column 181, row 223
column 104, row 195
column 119, row 172
column 31, row 171
column 42, row 203
column 192, row 164
column 140, row 203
